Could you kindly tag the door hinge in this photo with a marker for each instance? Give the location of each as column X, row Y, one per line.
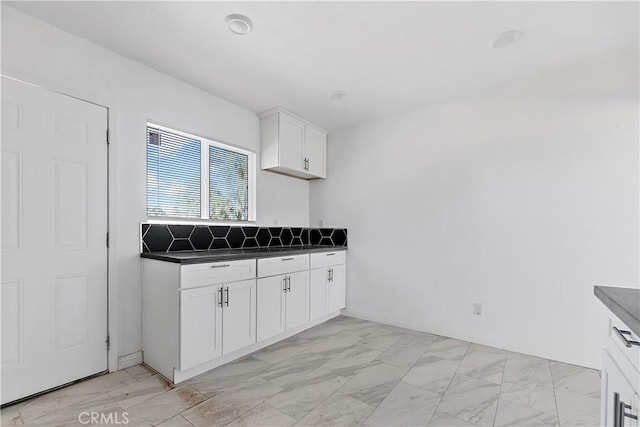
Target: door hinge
column 108, row 341
column 108, row 140
column 107, row 239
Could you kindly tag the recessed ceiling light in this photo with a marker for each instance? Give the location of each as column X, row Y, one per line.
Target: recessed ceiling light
column 239, row 24
column 337, row 95
column 505, row 39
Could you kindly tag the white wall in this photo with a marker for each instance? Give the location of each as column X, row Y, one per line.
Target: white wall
column 37, row 52
column 521, row 199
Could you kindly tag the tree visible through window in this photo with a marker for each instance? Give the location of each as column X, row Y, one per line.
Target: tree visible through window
column 177, row 164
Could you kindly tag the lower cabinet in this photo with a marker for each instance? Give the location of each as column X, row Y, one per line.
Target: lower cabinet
column 620, row 406
column 200, row 326
column 327, row 288
column 216, row 320
column 335, row 288
column 196, row 317
column 283, row 303
column 620, row 376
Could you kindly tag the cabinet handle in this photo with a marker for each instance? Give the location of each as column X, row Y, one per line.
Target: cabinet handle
column 227, row 292
column 624, row 414
column 331, row 254
column 288, row 283
column 622, row 335
column 284, row 284
column 220, row 266
column 287, row 259
column 328, row 275
column 221, row 299
column 620, row 411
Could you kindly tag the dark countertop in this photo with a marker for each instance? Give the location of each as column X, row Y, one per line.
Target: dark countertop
column 195, row 257
column 623, row 302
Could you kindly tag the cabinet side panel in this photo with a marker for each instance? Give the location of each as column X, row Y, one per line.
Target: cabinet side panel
column 160, row 315
column 269, row 142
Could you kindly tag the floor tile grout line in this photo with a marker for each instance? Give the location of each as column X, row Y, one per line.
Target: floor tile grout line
column 450, row 381
column 553, row 388
column 500, row 390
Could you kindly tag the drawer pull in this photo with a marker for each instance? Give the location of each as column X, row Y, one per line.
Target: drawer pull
column 623, row 336
column 288, row 259
column 331, row 254
column 220, row 266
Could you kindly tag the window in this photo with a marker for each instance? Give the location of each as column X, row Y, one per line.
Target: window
column 192, row 177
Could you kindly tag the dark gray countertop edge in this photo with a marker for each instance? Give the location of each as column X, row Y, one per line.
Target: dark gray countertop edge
column 183, row 258
column 623, row 302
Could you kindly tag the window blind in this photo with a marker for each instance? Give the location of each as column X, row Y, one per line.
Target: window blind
column 228, row 185
column 173, row 174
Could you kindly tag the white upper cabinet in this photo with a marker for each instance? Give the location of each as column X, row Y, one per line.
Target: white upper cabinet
column 291, row 145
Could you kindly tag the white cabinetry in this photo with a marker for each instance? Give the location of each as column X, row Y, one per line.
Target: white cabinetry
column 200, row 325
column 327, row 293
column 196, row 317
column 291, row 145
column 195, row 313
column 620, row 377
column 283, row 296
column 216, row 320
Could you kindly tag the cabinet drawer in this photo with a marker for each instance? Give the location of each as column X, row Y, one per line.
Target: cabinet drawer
column 211, row 273
column 631, row 353
column 325, row 259
column 281, row 265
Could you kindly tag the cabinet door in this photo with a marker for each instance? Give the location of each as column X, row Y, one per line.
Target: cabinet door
column 291, row 142
column 270, row 307
column 618, row 378
column 318, row 305
column 316, row 151
column 200, row 326
column 238, row 316
column 337, row 288
column 297, row 305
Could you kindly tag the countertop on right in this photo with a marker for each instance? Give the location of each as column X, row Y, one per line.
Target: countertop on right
column 623, row 302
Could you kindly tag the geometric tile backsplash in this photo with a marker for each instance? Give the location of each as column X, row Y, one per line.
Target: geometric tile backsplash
column 177, row 237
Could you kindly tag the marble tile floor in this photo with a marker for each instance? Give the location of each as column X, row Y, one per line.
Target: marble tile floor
column 344, row 372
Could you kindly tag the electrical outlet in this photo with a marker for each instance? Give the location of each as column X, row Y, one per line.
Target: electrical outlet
column 321, row 223
column 477, row 309
column 275, row 222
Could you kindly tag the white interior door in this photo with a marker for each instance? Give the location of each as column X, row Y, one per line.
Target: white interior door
column 54, row 225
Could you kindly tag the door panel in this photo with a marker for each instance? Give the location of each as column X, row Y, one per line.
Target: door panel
column 336, row 288
column 54, row 225
column 200, row 326
column 318, row 293
column 297, row 305
column 291, row 142
column 270, row 307
column 315, row 151
column 238, row 318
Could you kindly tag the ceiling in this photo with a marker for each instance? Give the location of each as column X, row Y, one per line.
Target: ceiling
column 388, row 56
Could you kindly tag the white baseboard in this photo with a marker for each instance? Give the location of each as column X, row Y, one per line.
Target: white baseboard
column 130, row 360
column 516, row 347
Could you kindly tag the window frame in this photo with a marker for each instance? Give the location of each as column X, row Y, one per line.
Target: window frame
column 205, row 143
